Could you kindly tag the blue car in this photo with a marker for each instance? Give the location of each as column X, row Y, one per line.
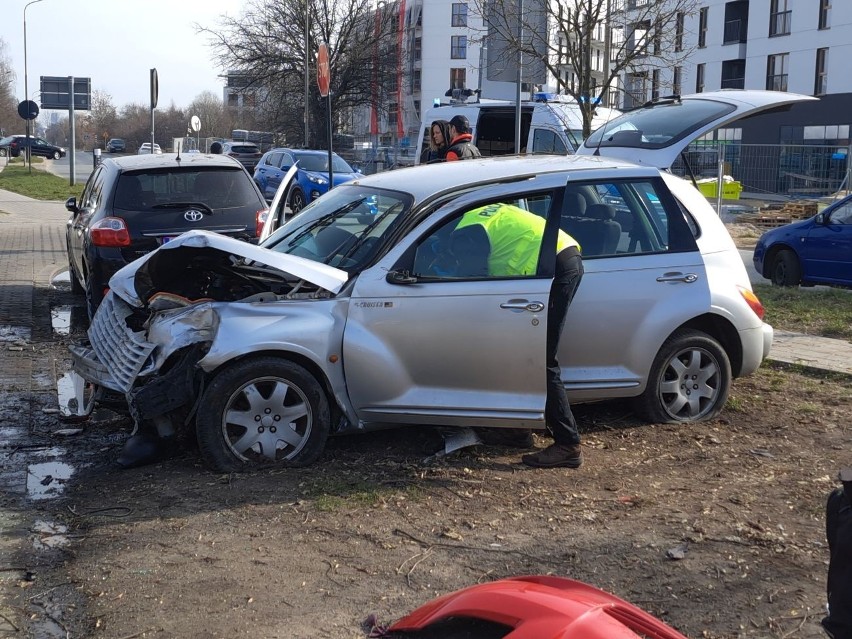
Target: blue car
column 311, row 179
column 814, row 251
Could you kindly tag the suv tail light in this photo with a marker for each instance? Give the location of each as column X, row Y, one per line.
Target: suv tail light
column 260, row 220
column 110, row 231
column 752, row 301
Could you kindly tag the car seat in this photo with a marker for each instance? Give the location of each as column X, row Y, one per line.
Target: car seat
column 596, row 229
column 129, row 194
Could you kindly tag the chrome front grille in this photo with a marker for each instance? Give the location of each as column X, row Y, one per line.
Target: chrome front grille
column 122, row 351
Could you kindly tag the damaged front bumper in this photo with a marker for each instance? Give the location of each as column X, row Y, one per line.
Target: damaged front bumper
column 155, row 369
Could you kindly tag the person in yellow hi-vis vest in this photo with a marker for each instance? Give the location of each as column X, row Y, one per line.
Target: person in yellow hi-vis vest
column 505, row 240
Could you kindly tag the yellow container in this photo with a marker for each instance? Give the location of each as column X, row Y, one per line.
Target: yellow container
column 730, row 190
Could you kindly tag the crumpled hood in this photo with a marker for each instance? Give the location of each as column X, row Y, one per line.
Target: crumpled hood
column 125, row 282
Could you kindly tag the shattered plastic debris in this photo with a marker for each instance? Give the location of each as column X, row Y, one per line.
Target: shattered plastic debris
column 678, row 552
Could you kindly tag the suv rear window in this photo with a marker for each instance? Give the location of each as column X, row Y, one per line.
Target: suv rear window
column 216, row 188
column 244, row 148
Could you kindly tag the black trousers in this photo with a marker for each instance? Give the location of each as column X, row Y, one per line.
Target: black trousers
column 557, row 411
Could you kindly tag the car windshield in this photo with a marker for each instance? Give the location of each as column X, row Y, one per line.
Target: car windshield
column 658, row 125
column 319, row 162
column 158, row 189
column 345, row 228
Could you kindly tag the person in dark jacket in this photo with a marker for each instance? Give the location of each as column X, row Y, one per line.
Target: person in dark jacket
column 461, row 140
column 439, row 139
column 838, row 528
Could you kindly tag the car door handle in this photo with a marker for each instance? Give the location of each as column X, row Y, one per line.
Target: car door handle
column 689, row 278
column 523, row 305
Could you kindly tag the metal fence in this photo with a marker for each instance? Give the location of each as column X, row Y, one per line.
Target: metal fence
column 787, row 171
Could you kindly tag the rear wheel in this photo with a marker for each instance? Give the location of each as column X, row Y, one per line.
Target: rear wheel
column 94, row 296
column 262, row 412
column 689, row 380
column 786, row 270
column 76, row 287
column 297, row 201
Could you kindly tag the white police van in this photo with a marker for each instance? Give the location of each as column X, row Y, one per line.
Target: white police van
column 550, row 123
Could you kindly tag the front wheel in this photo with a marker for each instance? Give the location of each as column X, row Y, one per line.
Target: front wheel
column 689, row 380
column 297, row 201
column 786, row 270
column 262, row 412
column 56, row 155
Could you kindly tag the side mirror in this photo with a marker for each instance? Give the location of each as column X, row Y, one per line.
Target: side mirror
column 400, row 277
column 820, row 219
column 71, row 205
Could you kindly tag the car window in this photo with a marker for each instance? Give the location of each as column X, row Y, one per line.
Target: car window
column 93, row 191
column 344, row 228
column 495, row 240
column 842, row 214
column 624, row 217
column 547, row 141
column 274, row 159
column 156, row 189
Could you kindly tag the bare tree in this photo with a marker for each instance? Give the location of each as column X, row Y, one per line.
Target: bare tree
column 265, row 47
column 215, row 121
column 9, row 118
column 587, row 45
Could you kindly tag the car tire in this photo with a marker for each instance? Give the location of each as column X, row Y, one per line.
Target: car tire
column 76, row 287
column 786, row 270
column 689, row 380
column 93, row 297
column 56, row 155
column 253, row 403
column 297, row 201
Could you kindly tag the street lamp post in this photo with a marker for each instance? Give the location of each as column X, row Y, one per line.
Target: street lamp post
column 26, row 88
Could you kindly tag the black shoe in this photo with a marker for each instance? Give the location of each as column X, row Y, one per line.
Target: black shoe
column 140, row 450
column 555, row 456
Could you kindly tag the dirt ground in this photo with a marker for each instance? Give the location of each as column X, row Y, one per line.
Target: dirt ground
column 717, row 528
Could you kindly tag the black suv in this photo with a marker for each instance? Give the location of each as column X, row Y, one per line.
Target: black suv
column 116, row 145
column 14, row 145
column 133, row 204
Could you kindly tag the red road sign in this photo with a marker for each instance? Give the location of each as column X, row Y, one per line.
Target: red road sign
column 323, row 70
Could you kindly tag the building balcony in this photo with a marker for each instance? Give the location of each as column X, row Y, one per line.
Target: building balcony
column 736, row 32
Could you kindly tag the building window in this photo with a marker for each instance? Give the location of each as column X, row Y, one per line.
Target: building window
column 459, row 14
column 776, row 72
column 458, row 78
column 702, row 27
column 655, row 84
column 699, row 78
column 779, row 18
column 676, row 80
column 418, row 48
column 824, row 9
column 821, row 75
column 458, row 47
column 679, row 22
column 417, row 80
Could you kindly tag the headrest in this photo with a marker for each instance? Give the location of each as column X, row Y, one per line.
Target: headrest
column 575, row 204
column 601, row 211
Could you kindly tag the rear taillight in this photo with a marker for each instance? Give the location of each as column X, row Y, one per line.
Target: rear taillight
column 110, row 231
column 260, row 220
column 752, row 301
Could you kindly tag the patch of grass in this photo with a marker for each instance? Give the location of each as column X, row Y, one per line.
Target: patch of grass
column 331, row 495
column 735, row 404
column 827, row 313
column 39, row 184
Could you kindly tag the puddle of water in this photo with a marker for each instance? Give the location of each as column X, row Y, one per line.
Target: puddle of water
column 47, row 480
column 14, row 333
column 60, row 319
column 49, row 535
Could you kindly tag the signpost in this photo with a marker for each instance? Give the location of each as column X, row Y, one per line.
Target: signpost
column 324, row 84
column 155, row 90
column 70, row 93
column 28, row 110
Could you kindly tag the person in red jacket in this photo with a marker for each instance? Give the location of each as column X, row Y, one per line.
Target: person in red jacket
column 461, row 141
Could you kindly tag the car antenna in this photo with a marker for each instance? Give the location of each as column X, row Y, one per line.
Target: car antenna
column 178, row 151
column 603, row 132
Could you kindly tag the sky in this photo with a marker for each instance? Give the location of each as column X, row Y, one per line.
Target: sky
column 116, row 43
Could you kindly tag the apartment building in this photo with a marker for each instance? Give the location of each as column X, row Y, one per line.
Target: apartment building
column 779, row 45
